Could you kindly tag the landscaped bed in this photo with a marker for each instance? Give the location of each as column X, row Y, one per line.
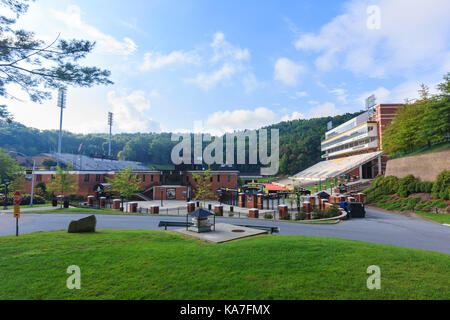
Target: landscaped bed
column 147, row 264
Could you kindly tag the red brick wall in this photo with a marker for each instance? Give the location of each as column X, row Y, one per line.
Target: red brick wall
column 217, row 183
column 85, row 188
column 178, row 192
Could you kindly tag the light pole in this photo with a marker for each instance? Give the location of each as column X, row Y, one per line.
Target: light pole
column 110, row 122
column 62, row 104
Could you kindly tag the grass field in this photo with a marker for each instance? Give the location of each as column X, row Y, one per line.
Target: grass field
column 146, row 264
column 71, row 210
column 438, row 217
column 28, row 206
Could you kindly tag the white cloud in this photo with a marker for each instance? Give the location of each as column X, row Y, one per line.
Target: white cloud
column 129, row 113
column 225, row 50
column 209, row 80
column 107, row 43
column 231, row 61
column 413, row 37
column 324, row 110
column 221, row 122
column 294, row 116
column 287, row 71
column 340, row 93
column 157, row 60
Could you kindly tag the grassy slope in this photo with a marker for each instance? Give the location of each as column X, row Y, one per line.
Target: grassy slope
column 137, row 264
column 438, row 217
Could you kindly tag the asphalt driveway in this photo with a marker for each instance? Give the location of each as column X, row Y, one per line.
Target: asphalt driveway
column 377, row 227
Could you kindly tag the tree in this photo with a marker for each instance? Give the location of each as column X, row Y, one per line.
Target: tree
column 125, row 183
column 18, row 183
column 63, row 181
column 8, row 166
column 202, row 187
column 33, row 64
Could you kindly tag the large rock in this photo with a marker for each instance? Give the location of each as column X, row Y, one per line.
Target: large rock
column 83, row 225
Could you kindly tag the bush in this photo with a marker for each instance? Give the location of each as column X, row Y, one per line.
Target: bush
column 406, row 185
column 287, row 216
column 441, row 186
column 230, row 214
column 334, row 211
column 268, row 216
column 25, row 200
column 301, row 215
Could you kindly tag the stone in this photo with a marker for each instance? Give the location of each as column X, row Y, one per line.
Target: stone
column 83, row 225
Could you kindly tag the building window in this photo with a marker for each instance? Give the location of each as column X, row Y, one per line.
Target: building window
column 151, row 178
column 210, row 179
column 228, row 179
column 86, row 178
column 187, row 179
column 97, row 177
column 218, row 178
column 143, row 178
column 38, row 178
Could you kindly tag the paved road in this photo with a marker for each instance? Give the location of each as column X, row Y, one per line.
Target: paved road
column 377, row 227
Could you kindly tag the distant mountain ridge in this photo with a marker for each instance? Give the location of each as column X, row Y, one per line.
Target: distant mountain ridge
column 299, row 143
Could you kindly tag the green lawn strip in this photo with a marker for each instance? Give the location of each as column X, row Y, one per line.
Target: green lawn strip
column 149, row 264
column 438, row 217
column 28, row 206
column 73, row 210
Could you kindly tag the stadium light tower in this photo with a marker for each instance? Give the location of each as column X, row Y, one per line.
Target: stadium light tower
column 110, row 121
column 62, row 104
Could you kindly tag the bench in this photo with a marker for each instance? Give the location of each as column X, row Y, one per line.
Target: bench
column 270, row 229
column 166, row 224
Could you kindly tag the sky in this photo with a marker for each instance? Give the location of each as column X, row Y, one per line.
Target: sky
column 218, row 66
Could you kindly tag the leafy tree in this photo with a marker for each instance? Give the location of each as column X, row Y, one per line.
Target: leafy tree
column 63, row 181
column 8, row 166
column 125, row 183
column 33, row 64
column 202, row 187
column 420, row 122
column 18, row 183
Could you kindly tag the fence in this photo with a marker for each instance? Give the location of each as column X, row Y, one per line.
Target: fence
column 420, row 149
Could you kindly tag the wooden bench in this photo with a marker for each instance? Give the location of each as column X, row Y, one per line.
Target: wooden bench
column 166, row 224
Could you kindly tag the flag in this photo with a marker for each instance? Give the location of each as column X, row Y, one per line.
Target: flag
column 79, row 148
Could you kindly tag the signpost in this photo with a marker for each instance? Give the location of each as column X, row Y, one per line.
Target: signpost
column 17, row 200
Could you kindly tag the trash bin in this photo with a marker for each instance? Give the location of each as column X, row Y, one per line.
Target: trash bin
column 66, row 203
column 54, row 202
column 209, row 206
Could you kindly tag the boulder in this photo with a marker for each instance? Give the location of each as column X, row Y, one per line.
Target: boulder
column 83, row 225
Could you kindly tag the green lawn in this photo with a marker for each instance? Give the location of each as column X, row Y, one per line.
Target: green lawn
column 143, row 264
column 438, row 217
column 71, row 210
column 28, row 206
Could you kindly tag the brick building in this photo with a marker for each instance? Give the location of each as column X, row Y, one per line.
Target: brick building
column 90, row 172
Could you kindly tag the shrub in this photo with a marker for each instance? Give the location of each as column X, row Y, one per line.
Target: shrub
column 26, row 198
column 441, row 186
column 268, row 216
column 439, row 204
column 334, row 211
column 230, row 214
column 301, row 215
column 406, row 185
column 287, row 216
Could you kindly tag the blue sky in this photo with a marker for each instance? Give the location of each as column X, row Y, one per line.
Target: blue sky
column 219, row 66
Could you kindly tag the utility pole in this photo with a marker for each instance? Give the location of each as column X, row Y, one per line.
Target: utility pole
column 62, row 104
column 110, row 121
